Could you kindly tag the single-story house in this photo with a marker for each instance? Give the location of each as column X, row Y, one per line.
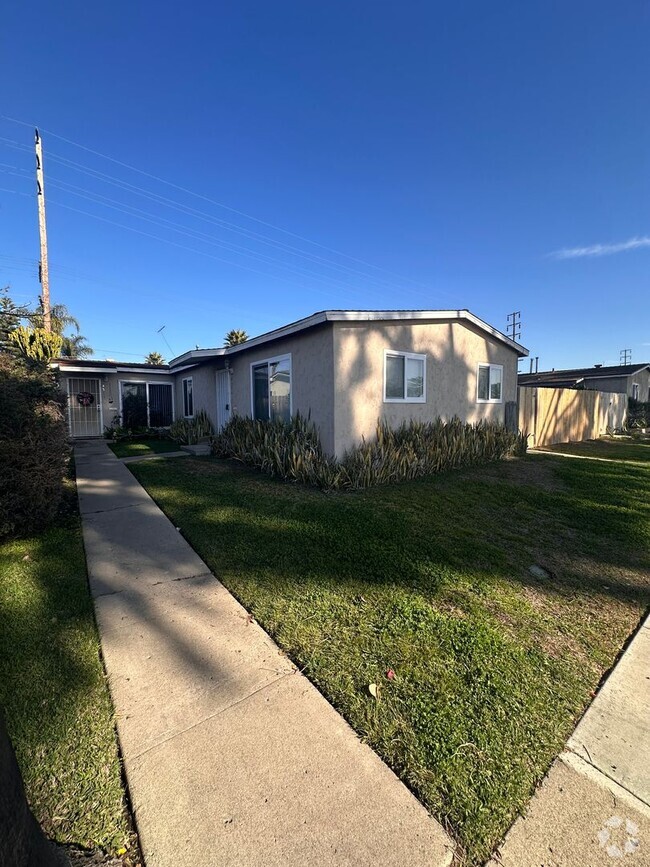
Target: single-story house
column 344, row 369
column 630, row 379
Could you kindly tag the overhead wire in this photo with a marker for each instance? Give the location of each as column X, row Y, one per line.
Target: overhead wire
column 224, row 224
column 185, row 247
column 256, row 237
column 203, row 237
column 211, row 200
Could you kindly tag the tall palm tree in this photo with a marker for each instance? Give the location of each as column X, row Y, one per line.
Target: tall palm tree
column 74, row 345
column 235, row 336
column 154, row 358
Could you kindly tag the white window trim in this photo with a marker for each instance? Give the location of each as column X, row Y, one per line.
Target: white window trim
column 638, row 390
column 489, row 399
column 272, row 360
column 147, row 383
column 183, row 381
column 416, row 357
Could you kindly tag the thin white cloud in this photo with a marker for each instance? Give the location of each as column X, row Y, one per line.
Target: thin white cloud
column 601, row 249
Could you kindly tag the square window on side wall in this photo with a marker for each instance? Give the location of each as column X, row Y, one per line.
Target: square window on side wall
column 404, row 377
column 489, row 383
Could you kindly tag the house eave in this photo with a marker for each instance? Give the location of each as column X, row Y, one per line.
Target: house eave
column 352, row 316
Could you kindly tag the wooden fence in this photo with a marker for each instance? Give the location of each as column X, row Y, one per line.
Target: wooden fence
column 561, row 415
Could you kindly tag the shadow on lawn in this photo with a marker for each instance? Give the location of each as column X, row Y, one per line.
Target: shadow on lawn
column 482, row 704
column 590, row 532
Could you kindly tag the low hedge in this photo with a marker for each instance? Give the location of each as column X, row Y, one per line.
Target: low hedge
column 190, row 431
column 33, row 445
column 638, row 414
column 293, row 451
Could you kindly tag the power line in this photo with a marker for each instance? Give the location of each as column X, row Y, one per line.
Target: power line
column 232, row 227
column 211, row 201
column 625, row 356
column 190, row 249
column 237, row 249
column 200, row 236
column 249, row 234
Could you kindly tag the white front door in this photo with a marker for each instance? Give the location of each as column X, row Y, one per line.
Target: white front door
column 85, row 407
column 223, row 398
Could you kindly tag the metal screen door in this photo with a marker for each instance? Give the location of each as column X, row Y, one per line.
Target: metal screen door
column 85, row 407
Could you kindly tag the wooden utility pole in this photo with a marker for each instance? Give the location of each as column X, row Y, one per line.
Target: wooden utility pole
column 43, row 273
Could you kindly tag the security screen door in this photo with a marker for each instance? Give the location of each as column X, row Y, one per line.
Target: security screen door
column 85, row 407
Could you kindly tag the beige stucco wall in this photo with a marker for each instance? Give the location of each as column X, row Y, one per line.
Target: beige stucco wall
column 312, row 377
column 453, row 351
column 204, row 386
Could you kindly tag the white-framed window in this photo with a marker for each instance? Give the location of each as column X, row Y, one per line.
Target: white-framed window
column 188, row 398
column 405, row 377
column 635, row 391
column 489, row 385
column 271, row 388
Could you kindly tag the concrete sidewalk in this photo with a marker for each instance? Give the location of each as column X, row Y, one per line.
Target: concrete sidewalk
column 593, row 807
column 232, row 757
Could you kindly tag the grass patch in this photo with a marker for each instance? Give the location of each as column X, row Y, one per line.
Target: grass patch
column 139, row 448
column 431, row 579
column 618, row 450
column 52, row 687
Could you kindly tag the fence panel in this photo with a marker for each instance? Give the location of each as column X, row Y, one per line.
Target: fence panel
column 560, row 415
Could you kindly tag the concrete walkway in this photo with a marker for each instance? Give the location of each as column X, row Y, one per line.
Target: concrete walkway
column 231, row 756
column 593, row 807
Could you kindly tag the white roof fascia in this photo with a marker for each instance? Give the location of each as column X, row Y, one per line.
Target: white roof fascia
column 142, row 370
column 197, row 355
column 183, row 368
column 392, row 315
column 66, row 368
column 69, row 369
column 353, row 316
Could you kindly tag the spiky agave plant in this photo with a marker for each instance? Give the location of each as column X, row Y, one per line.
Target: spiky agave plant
column 292, row 450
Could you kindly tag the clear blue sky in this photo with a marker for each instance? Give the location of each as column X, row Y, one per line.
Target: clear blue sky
column 453, row 146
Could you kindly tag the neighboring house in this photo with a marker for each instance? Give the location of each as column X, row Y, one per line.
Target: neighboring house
column 630, row 379
column 344, row 369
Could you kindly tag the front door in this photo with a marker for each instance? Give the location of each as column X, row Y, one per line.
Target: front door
column 223, row 398
column 85, row 407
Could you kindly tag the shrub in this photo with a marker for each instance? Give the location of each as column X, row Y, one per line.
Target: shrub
column 289, row 450
column 189, row 431
column 36, row 343
column 33, row 445
column 293, row 451
column 638, row 414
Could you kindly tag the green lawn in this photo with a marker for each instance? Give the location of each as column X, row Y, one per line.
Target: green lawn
column 621, row 450
column 431, row 579
column 53, row 691
column 138, row 448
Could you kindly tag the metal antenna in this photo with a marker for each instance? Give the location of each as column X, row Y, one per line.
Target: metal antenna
column 625, row 356
column 160, row 331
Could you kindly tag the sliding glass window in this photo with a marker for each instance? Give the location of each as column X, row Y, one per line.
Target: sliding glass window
column 271, row 388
